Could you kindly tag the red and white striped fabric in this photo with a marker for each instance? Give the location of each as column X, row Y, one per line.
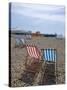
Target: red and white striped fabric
column 33, row 51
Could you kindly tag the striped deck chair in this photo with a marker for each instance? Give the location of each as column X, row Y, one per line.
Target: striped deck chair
column 19, row 42
column 33, row 58
column 50, row 57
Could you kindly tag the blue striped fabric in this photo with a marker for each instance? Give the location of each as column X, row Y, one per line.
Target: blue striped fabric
column 49, row 54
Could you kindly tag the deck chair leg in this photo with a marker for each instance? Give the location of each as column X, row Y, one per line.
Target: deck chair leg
column 26, row 61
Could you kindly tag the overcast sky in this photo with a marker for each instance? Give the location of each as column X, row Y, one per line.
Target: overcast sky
column 35, row 17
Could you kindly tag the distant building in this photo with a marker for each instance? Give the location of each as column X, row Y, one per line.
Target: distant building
column 28, row 34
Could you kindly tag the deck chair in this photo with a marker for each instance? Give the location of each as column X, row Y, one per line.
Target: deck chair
column 20, row 42
column 33, row 63
column 50, row 57
column 33, row 59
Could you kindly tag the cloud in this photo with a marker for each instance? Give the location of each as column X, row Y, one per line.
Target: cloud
column 44, row 12
column 39, row 7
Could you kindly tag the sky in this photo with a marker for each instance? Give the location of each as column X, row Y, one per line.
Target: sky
column 48, row 19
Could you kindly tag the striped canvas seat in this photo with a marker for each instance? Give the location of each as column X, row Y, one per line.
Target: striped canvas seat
column 33, row 51
column 49, row 54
